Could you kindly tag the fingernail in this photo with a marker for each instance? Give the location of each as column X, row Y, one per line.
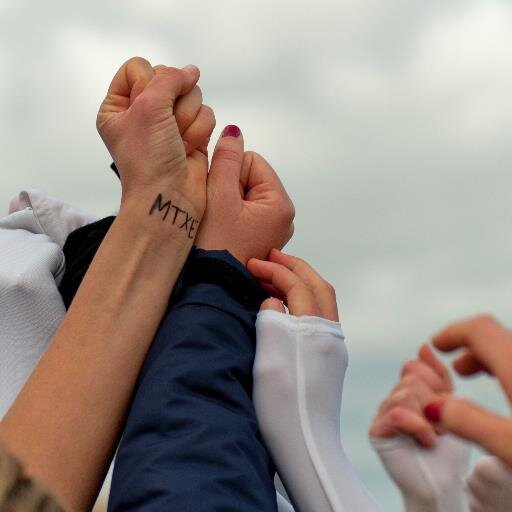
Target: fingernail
column 434, row 411
column 231, row 131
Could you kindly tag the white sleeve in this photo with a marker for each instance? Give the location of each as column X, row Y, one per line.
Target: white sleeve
column 490, row 486
column 282, row 504
column 298, row 382
column 31, row 307
column 430, row 480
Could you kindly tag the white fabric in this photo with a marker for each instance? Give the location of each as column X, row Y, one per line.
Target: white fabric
column 282, row 504
column 299, row 370
column 490, row 486
column 430, row 480
column 31, row 265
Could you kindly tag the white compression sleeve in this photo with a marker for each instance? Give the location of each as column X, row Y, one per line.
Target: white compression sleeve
column 430, row 480
column 490, row 486
column 298, row 381
column 282, row 504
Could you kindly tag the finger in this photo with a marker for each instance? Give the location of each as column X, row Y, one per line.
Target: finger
column 272, row 291
column 169, row 84
column 467, row 332
column 469, row 421
column 411, row 392
column 405, row 398
column 187, row 108
column 197, row 166
column 425, row 373
column 273, row 305
column 486, row 340
column 299, row 297
column 199, row 132
column 226, row 166
column 427, row 356
column 129, row 81
column 468, row 364
column 323, row 291
column 400, row 420
column 258, row 176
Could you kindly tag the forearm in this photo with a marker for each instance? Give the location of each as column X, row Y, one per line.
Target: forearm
column 298, row 380
column 65, row 424
column 191, row 441
column 429, row 479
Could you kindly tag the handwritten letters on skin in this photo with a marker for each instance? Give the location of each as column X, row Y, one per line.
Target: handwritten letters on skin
column 179, row 217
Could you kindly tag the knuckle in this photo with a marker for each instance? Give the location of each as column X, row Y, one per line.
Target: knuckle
column 486, row 320
column 410, row 380
column 408, row 367
column 137, row 60
column 395, row 416
column 183, row 116
column 168, row 72
column 228, row 155
column 329, row 288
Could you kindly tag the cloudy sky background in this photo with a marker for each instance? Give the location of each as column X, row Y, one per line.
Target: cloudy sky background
column 388, row 121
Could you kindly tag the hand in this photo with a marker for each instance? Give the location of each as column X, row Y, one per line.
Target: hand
column 137, row 123
column 427, row 467
column 292, row 281
column 422, row 379
column 248, row 211
column 486, row 346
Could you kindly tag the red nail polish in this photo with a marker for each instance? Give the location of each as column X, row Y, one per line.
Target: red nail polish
column 434, row 411
column 231, row 131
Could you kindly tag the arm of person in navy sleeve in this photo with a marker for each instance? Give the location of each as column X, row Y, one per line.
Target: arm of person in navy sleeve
column 191, row 441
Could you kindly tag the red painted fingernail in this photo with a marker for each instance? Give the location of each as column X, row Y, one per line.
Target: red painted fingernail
column 434, row 411
column 231, row 131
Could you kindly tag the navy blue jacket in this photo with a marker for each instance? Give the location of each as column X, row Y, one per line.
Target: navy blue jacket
column 191, row 440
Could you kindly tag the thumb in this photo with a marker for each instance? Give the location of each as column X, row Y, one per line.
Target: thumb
column 272, row 305
column 469, row 421
column 129, row 81
column 170, row 83
column 226, row 166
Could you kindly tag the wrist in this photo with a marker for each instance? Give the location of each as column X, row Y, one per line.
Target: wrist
column 165, row 215
column 219, row 267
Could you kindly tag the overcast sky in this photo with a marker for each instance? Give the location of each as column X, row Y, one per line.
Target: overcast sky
column 388, row 121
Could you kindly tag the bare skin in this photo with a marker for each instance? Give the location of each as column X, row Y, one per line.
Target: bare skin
column 65, row 424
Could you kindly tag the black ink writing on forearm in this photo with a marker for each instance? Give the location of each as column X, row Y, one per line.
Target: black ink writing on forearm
column 188, row 223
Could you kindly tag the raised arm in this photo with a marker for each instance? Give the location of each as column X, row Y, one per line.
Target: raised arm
column 65, row 424
column 192, row 442
column 300, row 365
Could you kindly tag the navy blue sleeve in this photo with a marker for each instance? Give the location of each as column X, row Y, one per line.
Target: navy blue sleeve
column 191, row 442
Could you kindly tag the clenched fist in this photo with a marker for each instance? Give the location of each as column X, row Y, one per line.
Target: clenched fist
column 249, row 212
column 139, row 122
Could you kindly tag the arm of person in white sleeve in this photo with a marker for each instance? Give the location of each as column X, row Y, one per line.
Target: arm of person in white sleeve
column 299, row 370
column 282, row 504
column 490, row 486
column 428, row 468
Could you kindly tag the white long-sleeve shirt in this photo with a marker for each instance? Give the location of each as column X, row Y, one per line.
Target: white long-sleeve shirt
column 31, row 266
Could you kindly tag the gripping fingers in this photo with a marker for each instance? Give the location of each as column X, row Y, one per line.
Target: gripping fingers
column 187, row 108
column 323, row 291
column 129, row 81
column 169, row 84
column 400, row 420
column 299, row 297
column 199, row 132
column 425, row 373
